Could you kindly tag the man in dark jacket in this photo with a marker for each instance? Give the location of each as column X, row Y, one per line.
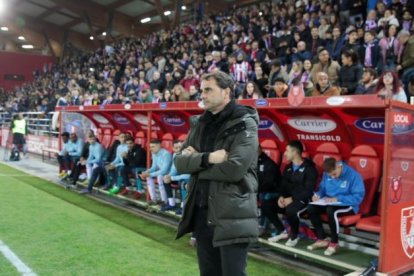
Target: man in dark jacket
column 135, row 160
column 298, row 183
column 221, row 208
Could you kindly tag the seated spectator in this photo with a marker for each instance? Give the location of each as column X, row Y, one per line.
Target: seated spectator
column 389, row 87
column 406, row 63
column 260, row 80
column 300, row 53
column 326, row 65
column 323, row 86
column 145, row 96
column 166, row 96
column 371, row 22
column 173, row 176
column 194, row 93
column 250, row 91
column 334, row 45
column 161, row 163
column 277, row 71
column 280, row 89
column 350, row 73
column 298, row 182
column 95, row 160
column 295, row 72
column 179, row 94
column 306, row 77
column 341, row 191
column 135, row 161
column 189, row 80
column 156, row 97
column 368, row 82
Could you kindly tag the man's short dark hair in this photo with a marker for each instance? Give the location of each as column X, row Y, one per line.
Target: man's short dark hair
column 129, row 138
column 222, row 79
column 177, row 141
column 296, row 145
column 371, row 71
column 155, row 141
column 65, row 134
column 329, row 164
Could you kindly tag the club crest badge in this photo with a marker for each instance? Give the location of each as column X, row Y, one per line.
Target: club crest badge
column 407, row 231
column 396, row 189
column 363, row 163
column 405, row 165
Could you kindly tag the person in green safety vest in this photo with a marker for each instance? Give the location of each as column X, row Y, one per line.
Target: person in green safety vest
column 19, row 129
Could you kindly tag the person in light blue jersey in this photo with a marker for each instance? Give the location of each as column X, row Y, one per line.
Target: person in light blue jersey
column 114, row 168
column 174, row 177
column 161, row 163
column 340, row 193
column 96, row 152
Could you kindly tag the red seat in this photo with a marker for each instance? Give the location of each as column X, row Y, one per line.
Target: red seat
column 115, row 136
column 140, row 139
column 324, row 151
column 167, row 142
column 270, row 148
column 364, row 159
column 182, row 137
column 106, row 138
column 373, row 223
column 99, row 134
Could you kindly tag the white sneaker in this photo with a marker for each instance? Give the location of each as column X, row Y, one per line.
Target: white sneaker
column 282, row 236
column 292, row 243
column 332, row 249
column 319, row 244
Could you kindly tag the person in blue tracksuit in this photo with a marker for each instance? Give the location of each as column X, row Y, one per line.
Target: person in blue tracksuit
column 341, row 192
column 174, row 176
column 96, row 152
column 161, row 163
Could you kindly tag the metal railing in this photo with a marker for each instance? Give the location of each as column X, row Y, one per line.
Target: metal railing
column 38, row 123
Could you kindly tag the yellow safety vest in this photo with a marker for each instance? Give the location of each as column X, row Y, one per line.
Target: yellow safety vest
column 19, row 126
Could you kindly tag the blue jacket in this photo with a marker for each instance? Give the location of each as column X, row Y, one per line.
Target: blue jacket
column 174, row 173
column 161, row 162
column 96, row 152
column 348, row 188
column 118, row 161
column 75, row 149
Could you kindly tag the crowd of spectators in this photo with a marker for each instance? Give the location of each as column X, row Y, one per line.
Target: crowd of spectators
column 337, row 47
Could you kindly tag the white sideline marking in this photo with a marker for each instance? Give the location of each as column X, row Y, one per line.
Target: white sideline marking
column 4, row 175
column 15, row 261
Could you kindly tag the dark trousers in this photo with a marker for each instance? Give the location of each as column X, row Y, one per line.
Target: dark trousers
column 76, row 172
column 270, row 210
column 119, row 172
column 333, row 213
column 67, row 162
column 228, row 260
column 96, row 172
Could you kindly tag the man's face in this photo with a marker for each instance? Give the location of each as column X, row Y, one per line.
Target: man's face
column 290, row 153
column 122, row 137
column 65, row 139
column 366, row 77
column 130, row 144
column 336, row 172
column 177, row 147
column 368, row 37
column 155, row 148
column 92, row 140
column 323, row 80
column 324, row 56
column 214, row 98
column 73, row 137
